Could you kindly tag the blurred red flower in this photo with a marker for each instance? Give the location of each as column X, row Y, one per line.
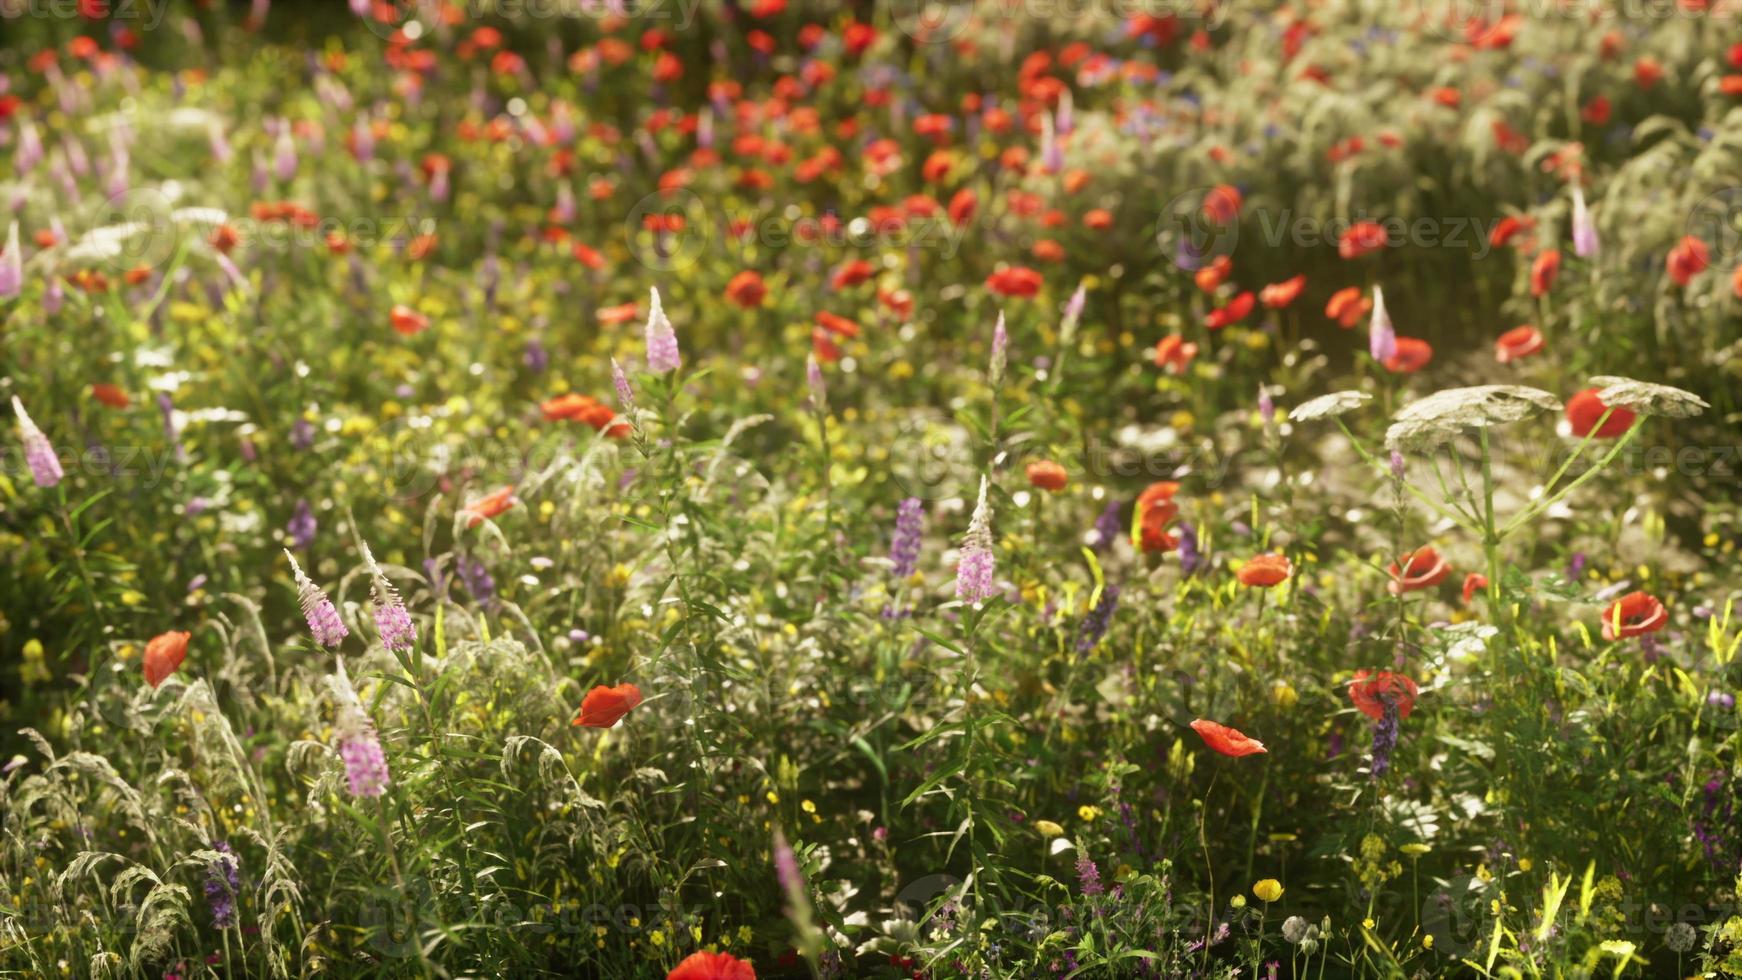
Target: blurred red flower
column 163, row 654
column 1265, row 571
column 1519, row 342
column 1228, row 741
column 1423, row 568
column 604, row 706
column 1371, row 692
column 1585, row 409
column 1633, row 614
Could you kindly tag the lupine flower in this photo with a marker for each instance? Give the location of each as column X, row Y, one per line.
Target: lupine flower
column 476, row 577
column 1584, row 229
column 39, row 453
column 1384, row 740
column 1000, row 347
column 323, row 618
column 284, row 162
column 392, row 621
column 11, row 266
column 1095, row 624
column 302, row 525
column 535, row 357
column 365, row 763
column 813, row 377
column 1189, row 556
column 977, row 564
column 1266, row 407
column 625, row 394
column 1088, row 876
column 1073, row 311
column 1381, row 338
column 904, row 546
column 223, row 881
column 1108, row 526
column 1397, row 464
column 662, row 351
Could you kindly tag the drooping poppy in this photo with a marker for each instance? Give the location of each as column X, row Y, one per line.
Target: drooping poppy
column 1047, row 475
column 604, row 706
column 1473, row 583
column 1265, row 571
column 1422, row 568
column 1632, row 615
column 1349, row 306
column 1412, row 354
column 1373, row 691
column 1519, row 342
column 490, row 505
column 1278, row 295
column 1361, row 238
column 163, row 654
column 1689, row 258
column 1228, row 741
column 1585, row 409
column 712, row 966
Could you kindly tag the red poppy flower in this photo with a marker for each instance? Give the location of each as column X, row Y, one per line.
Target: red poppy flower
column 1222, row 203
column 1174, row 354
column 1633, row 614
column 1544, row 270
column 1508, row 228
column 1234, row 312
column 1228, row 741
column 1361, row 238
column 1473, row 583
column 712, row 966
column 962, row 207
column 1596, row 112
column 1647, row 72
column 1423, row 568
column 163, row 654
column 1372, row 692
column 1412, row 355
column 1278, row 295
column 1015, row 280
column 1736, row 282
column 407, row 321
column 1348, row 306
column 824, row 346
column 110, row 395
column 1519, row 342
column 1100, row 219
column 1155, row 511
column 1585, row 409
column 747, row 289
column 618, row 314
column 1265, row 571
column 604, row 706
column 490, row 505
column 1688, row 259
column 603, row 419
column 1214, row 274
column 851, row 274
column 566, row 407
column 1047, row 475
column 1047, row 250
column 837, row 324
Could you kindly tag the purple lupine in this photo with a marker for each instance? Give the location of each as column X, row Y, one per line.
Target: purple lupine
column 11, row 266
column 171, row 434
column 1585, row 242
column 1381, row 336
column 620, row 381
column 1576, row 566
column 904, row 546
column 365, row 764
column 322, row 616
column 476, row 577
column 1397, row 464
column 813, row 379
column 302, row 525
column 662, row 350
column 223, row 881
column 535, row 357
column 1266, row 407
column 29, row 152
column 977, row 565
column 392, row 620
column 1088, row 876
column 1384, row 738
column 1190, row 559
column 1094, row 625
column 39, row 454
column 1108, row 527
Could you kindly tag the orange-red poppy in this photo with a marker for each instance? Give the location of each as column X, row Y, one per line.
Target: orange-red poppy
column 1544, row 270
column 1688, row 259
column 1412, row 354
column 1585, row 409
column 1265, row 571
column 1633, row 614
column 407, row 321
column 1349, row 306
column 746, row 289
column 163, row 654
column 1174, row 354
column 1519, row 342
column 110, row 395
column 1508, row 228
column 604, row 706
column 1100, row 219
column 1280, row 294
column 1422, row 568
column 1047, row 475
column 837, row 324
column 1214, row 274
column 1361, row 238
column 851, row 274
column 1371, row 692
column 618, row 314
column 1473, row 583
column 1015, row 280
column 1155, row 511
column 1236, row 310
column 1228, row 741
column 566, row 407
column 490, row 505
column 712, row 966
column 1222, row 203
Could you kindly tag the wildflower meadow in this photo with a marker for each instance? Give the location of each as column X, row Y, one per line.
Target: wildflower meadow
column 717, row 489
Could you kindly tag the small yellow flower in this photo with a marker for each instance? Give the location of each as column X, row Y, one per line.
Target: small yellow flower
column 1088, row 813
column 1267, row 890
column 808, row 807
column 1525, row 864
column 1414, row 850
column 1368, row 923
column 1237, row 902
column 1048, row 829
column 1427, row 941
